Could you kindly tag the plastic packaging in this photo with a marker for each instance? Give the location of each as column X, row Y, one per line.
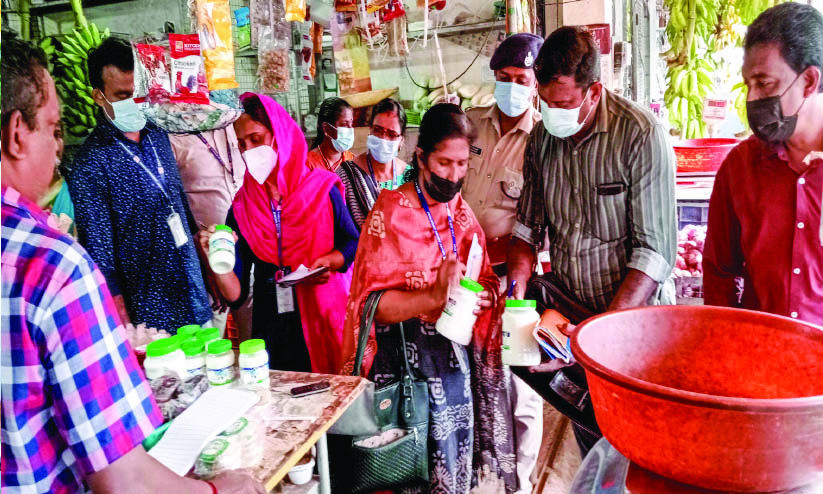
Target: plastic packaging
column 220, row 363
column 188, row 73
column 261, row 16
column 243, row 27
column 153, row 70
column 254, row 364
column 221, row 250
column 163, row 356
column 246, row 435
column 195, row 352
column 519, row 346
column 457, row 321
column 214, row 28
column 274, row 58
column 218, row 455
column 296, row 10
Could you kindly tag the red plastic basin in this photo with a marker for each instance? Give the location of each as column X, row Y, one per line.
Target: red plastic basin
column 702, row 155
column 720, row 398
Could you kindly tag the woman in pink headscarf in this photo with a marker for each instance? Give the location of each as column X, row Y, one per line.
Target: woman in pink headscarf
column 284, row 216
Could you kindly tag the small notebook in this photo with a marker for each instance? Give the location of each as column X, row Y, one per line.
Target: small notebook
column 301, row 274
column 207, row 417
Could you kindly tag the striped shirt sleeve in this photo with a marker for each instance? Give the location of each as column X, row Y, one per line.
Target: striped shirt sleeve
column 531, row 222
column 653, row 208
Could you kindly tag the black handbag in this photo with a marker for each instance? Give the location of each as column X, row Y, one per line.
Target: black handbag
column 565, row 389
column 397, row 455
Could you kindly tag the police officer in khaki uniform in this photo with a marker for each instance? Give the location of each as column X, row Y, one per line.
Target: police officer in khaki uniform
column 492, row 188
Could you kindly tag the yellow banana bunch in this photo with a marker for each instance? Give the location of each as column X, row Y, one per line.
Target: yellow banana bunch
column 687, row 86
column 729, row 30
column 72, row 79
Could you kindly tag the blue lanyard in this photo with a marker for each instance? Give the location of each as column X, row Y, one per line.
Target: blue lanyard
column 276, row 212
column 374, row 177
column 431, row 222
column 216, row 155
column 160, row 171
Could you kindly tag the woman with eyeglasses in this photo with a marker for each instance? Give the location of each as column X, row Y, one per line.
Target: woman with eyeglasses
column 379, row 167
column 335, row 136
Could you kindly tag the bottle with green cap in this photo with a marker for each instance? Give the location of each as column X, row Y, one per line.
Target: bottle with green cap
column 220, row 363
column 207, row 335
column 254, row 364
column 457, row 320
column 221, row 250
column 195, row 352
column 520, row 348
column 185, row 333
column 162, row 357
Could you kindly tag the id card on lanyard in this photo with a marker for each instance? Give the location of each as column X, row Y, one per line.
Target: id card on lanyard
column 175, row 222
column 285, row 294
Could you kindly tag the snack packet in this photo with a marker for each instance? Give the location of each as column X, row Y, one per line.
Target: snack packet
column 153, row 78
column 214, row 27
column 188, row 72
column 241, row 19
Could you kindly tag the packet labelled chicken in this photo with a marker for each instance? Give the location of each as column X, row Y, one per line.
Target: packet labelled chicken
column 188, row 72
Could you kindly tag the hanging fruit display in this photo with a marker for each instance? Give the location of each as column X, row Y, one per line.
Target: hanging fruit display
column 71, row 73
column 691, row 26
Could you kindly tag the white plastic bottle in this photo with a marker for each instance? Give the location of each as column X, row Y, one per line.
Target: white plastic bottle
column 519, row 346
column 162, row 356
column 195, row 352
column 221, row 250
column 254, row 364
column 220, row 363
column 457, row 320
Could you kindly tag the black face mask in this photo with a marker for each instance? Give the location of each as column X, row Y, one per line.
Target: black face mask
column 441, row 189
column 766, row 118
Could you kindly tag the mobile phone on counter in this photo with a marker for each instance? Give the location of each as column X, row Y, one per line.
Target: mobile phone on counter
column 309, row 389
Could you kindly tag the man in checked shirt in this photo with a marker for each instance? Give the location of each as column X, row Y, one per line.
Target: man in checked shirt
column 76, row 405
column 599, row 177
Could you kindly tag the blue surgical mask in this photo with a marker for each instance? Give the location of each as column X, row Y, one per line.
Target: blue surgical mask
column 382, row 150
column 513, row 99
column 561, row 122
column 127, row 115
column 345, row 139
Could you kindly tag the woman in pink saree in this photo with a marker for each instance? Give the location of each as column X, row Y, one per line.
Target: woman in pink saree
column 285, row 216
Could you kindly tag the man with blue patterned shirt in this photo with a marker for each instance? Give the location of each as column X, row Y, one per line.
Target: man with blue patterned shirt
column 75, row 404
column 132, row 214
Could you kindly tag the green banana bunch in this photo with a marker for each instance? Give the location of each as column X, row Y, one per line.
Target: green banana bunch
column 688, row 85
column 706, row 17
column 750, row 9
column 72, row 79
column 740, row 101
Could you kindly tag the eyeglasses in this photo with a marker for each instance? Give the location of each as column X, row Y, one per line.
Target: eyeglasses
column 383, row 133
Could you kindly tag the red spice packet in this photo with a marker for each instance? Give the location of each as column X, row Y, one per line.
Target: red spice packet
column 188, row 70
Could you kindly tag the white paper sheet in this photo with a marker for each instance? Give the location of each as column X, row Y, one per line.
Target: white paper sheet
column 300, row 274
column 207, row 417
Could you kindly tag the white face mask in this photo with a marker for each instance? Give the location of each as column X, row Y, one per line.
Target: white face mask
column 260, row 162
column 513, row 99
column 561, row 122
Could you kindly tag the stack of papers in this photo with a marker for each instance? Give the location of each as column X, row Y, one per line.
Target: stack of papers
column 211, row 414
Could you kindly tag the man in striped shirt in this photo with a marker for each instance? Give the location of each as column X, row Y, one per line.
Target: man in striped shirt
column 599, row 177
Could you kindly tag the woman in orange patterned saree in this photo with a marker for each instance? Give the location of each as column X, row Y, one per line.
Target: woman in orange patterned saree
column 413, row 246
